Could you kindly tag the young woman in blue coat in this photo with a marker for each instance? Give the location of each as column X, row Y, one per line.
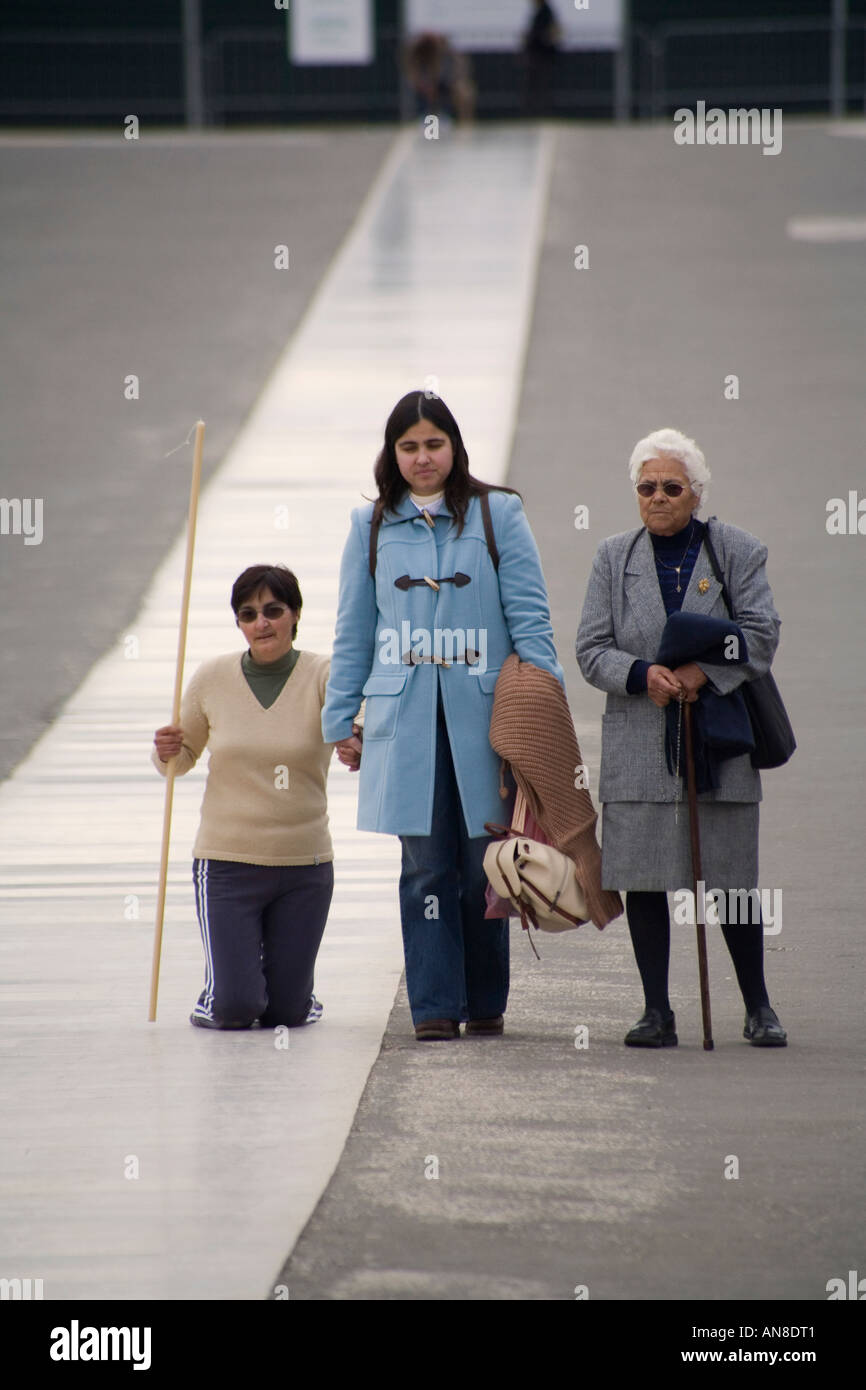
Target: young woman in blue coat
column 424, row 624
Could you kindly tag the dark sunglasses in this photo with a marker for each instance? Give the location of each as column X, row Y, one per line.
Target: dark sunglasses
column 272, row 611
column 670, row 489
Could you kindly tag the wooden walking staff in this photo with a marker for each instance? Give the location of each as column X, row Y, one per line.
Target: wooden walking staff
column 697, row 875
column 175, row 714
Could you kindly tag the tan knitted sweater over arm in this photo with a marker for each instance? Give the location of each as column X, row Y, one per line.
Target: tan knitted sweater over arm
column 532, row 729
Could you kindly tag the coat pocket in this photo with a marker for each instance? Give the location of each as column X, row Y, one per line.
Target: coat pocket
column 382, row 693
column 486, row 680
column 615, row 781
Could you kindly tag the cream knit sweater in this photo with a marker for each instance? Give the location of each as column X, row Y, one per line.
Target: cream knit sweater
column 265, row 799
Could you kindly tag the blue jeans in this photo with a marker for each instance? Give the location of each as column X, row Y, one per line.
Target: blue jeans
column 456, row 962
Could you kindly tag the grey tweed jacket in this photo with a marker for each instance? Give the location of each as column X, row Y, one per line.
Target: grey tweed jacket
column 622, row 621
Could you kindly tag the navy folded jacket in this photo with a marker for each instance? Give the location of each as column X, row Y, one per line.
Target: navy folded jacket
column 720, row 723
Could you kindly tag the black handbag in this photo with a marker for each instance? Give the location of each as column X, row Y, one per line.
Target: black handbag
column 774, row 737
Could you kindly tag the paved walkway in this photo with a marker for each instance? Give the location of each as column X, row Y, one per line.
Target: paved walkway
column 154, row 260
column 604, row 1168
column 144, row 1161
column 521, row 1168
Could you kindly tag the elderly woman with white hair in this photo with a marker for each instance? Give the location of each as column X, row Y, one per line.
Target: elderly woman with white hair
column 639, row 578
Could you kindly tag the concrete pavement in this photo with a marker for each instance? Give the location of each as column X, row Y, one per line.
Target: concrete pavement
column 605, row 1167
column 177, row 1141
column 526, row 1167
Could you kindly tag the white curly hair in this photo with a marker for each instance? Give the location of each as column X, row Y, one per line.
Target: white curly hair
column 676, row 445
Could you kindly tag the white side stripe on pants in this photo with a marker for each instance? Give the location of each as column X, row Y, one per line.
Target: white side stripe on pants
column 205, row 1009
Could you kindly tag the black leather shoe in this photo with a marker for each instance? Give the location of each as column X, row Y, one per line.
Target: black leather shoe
column 485, row 1027
column 437, row 1030
column 763, row 1028
column 653, row 1030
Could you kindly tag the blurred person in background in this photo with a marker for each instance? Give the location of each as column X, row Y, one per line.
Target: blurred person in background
column 440, row 78
column 540, row 48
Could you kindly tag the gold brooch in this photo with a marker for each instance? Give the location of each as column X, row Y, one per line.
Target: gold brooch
column 703, row 585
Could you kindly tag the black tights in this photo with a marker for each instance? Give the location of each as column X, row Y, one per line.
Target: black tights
column 650, row 926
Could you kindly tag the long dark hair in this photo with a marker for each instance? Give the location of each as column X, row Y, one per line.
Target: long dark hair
column 460, row 485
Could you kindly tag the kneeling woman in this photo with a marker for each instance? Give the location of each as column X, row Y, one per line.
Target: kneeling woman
column 262, row 865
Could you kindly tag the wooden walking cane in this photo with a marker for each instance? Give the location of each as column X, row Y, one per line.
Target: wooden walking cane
column 697, row 874
column 175, row 714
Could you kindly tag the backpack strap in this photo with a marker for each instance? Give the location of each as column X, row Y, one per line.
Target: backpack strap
column 374, row 541
column 489, row 536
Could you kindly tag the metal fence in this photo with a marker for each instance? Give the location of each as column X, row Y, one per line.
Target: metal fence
column 91, row 75
column 95, row 76
column 248, row 74
column 804, row 63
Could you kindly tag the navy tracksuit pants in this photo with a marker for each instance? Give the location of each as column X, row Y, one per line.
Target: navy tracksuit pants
column 260, row 927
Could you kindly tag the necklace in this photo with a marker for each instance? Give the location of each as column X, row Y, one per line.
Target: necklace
column 678, row 567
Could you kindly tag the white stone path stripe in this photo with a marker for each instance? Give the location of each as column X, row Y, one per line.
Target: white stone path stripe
column 233, row 1140
column 850, row 129
column 826, row 229
column 831, row 229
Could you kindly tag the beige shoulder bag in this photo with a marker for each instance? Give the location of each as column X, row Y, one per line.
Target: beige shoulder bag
column 538, row 880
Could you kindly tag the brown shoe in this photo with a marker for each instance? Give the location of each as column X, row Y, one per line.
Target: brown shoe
column 488, row 1027
column 437, row 1030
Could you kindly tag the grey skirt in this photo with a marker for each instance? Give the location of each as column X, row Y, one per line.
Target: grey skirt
column 646, row 848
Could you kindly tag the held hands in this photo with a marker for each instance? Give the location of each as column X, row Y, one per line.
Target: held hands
column 663, row 685
column 169, row 741
column 349, row 749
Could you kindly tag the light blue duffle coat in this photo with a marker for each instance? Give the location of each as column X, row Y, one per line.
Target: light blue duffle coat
column 379, row 623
